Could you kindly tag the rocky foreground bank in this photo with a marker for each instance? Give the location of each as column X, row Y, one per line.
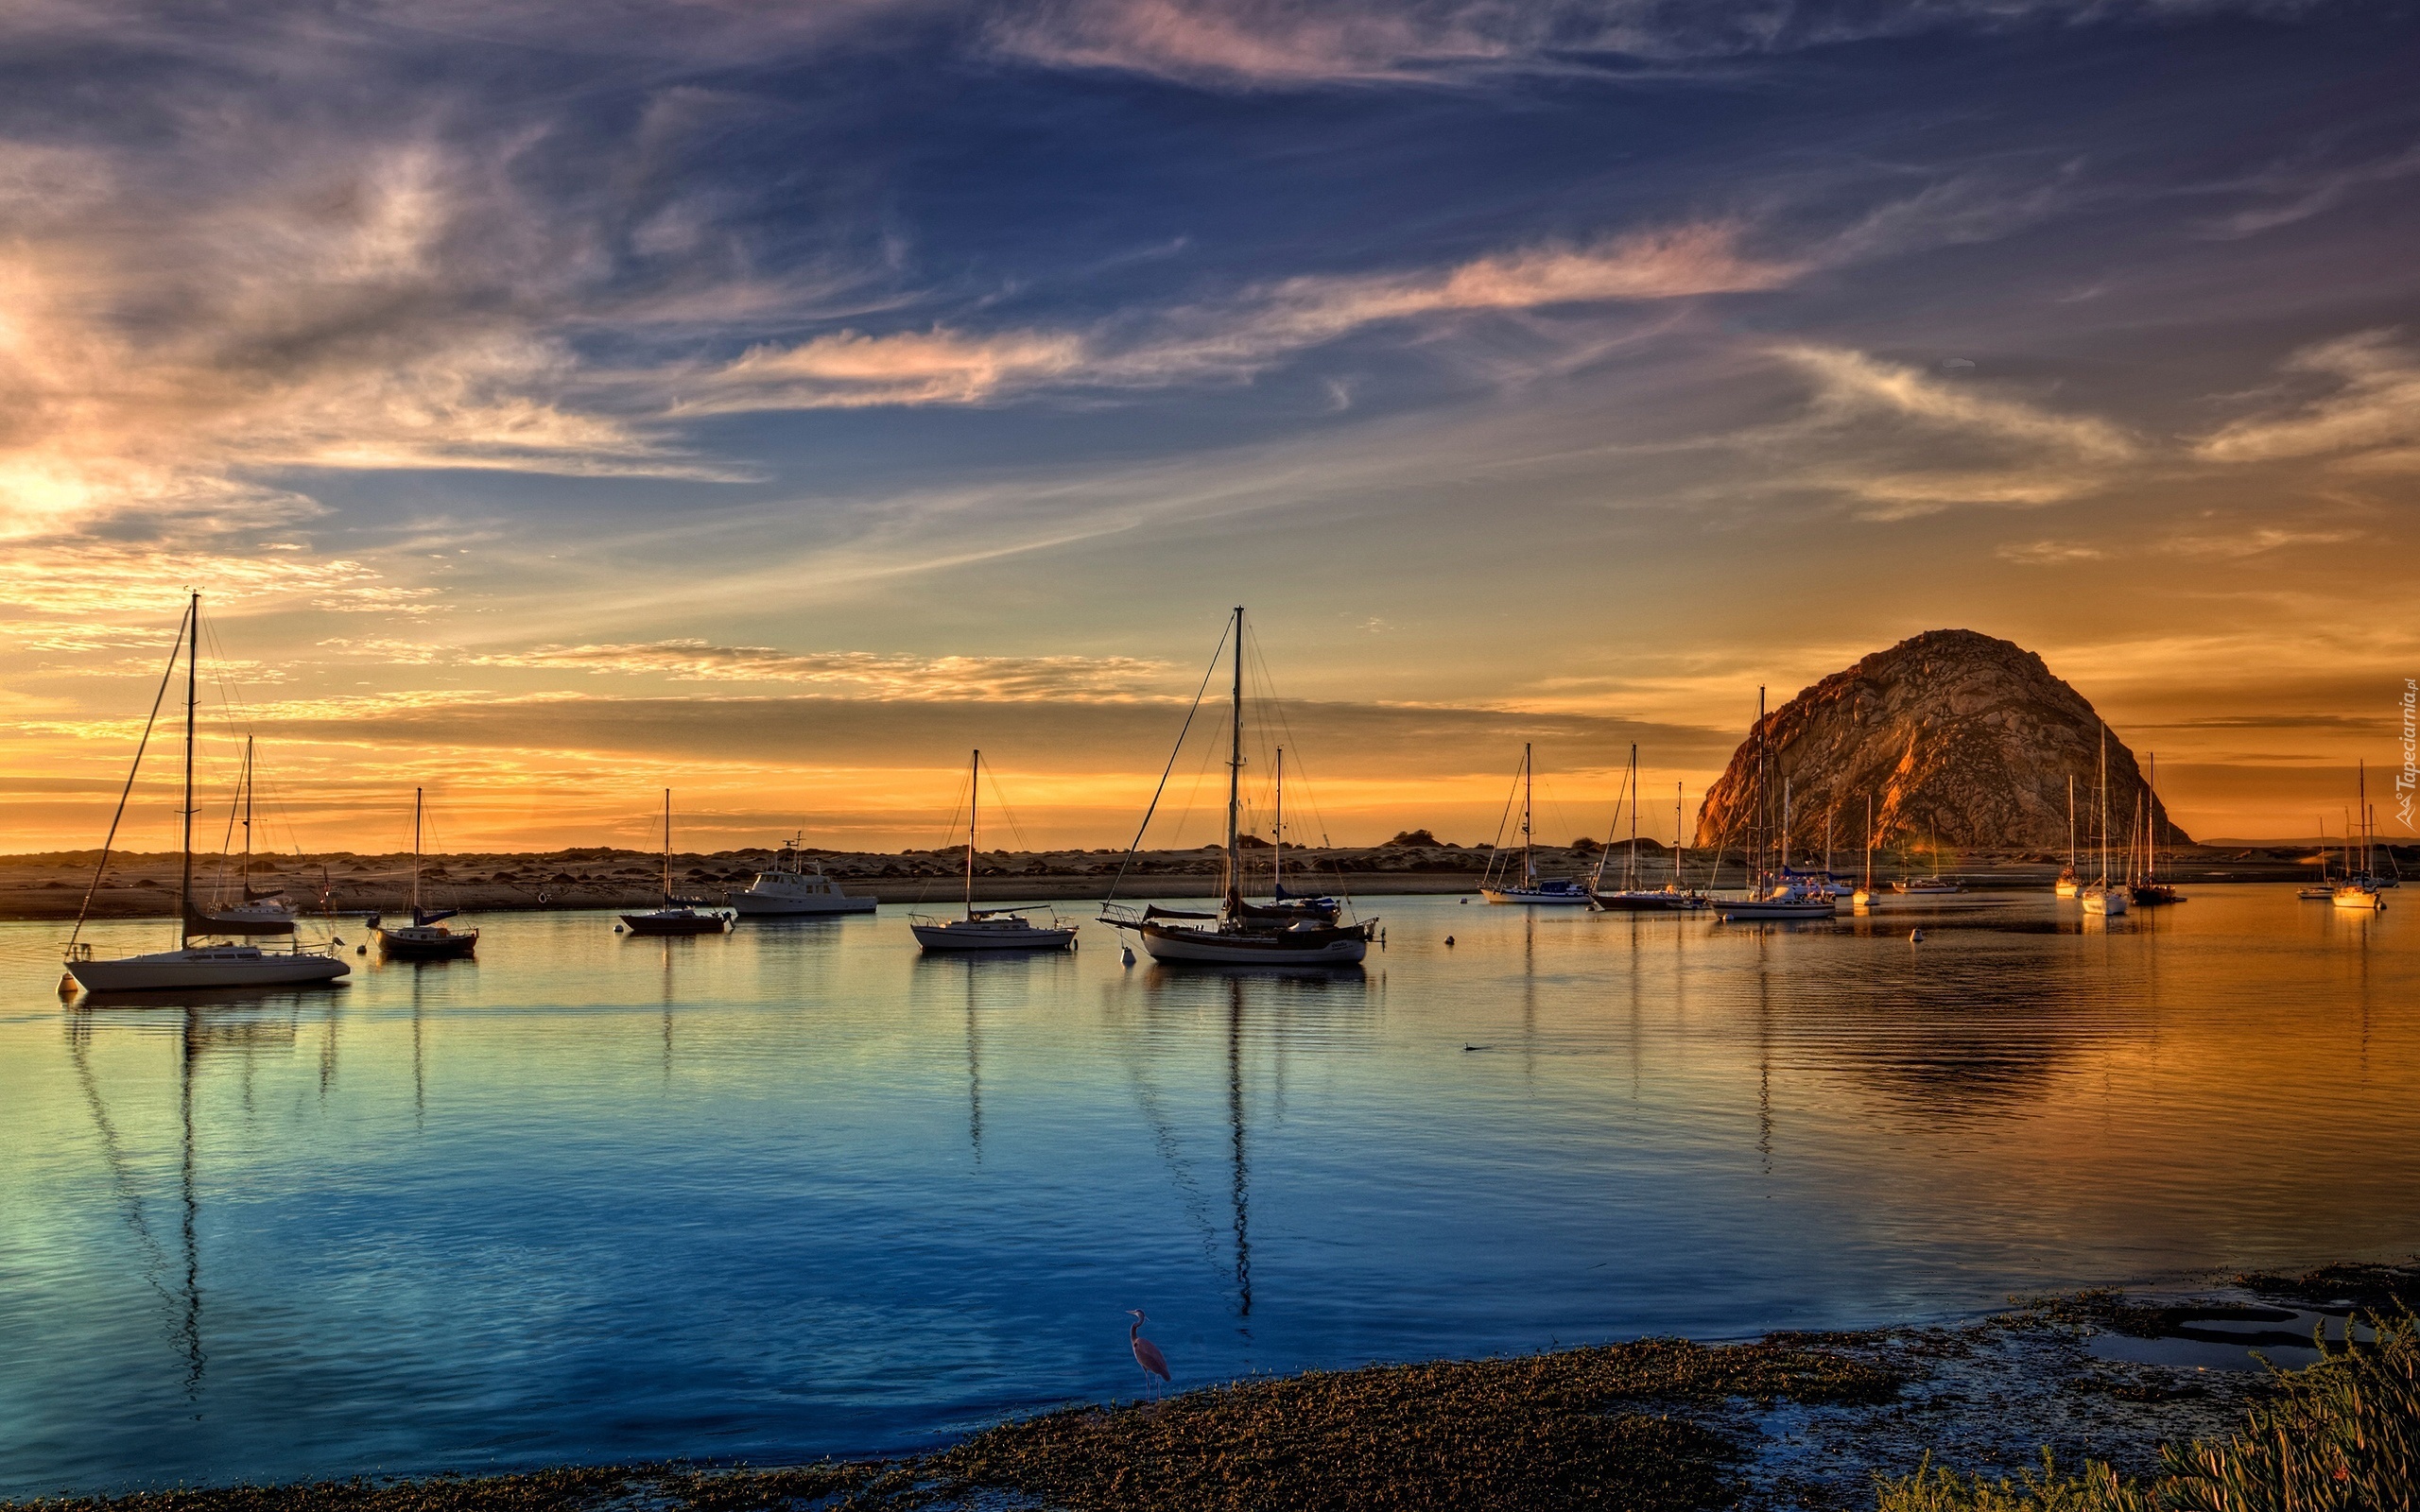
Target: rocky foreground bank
column 1659, row 1425
column 53, row 885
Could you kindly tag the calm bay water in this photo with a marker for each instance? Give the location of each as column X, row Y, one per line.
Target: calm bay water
column 799, row 1190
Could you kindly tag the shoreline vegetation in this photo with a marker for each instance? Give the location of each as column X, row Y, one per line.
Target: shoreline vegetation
column 1971, row 1417
column 52, row 885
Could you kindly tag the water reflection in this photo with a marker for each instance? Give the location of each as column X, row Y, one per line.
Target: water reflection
column 890, row 1196
column 221, row 1027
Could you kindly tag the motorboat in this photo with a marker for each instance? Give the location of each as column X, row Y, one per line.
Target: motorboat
column 794, row 887
column 191, row 966
column 675, row 916
column 986, row 929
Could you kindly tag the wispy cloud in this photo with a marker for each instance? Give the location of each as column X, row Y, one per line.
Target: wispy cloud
column 73, row 576
column 1292, row 43
column 2256, row 541
column 2369, row 417
column 864, row 674
column 2048, row 553
column 1233, row 337
column 2299, row 190
column 1904, row 442
column 1851, row 384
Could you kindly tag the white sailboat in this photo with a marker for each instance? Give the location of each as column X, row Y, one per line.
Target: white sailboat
column 190, row 966
column 794, row 887
column 1532, row 888
column 2101, row 896
column 1241, row 933
column 2069, row 882
column 986, row 929
column 675, row 916
column 425, row 938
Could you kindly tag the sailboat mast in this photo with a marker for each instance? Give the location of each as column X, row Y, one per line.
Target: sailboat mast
column 973, row 802
column 1235, row 770
column 193, row 687
column 416, row 792
column 2150, row 816
column 248, row 818
column 2362, row 797
column 1680, row 842
column 1528, row 868
column 1630, row 863
column 1869, row 842
column 1277, row 857
column 2104, row 805
column 668, row 848
column 1762, row 813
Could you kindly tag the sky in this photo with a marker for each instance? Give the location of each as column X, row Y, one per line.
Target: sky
column 557, row 402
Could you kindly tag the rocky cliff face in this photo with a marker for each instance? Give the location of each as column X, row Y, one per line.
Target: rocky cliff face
column 1954, row 734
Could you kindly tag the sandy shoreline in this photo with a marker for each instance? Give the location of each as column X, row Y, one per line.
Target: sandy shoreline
column 1788, row 1421
column 53, row 885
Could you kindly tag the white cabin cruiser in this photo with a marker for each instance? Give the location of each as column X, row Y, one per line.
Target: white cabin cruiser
column 794, row 887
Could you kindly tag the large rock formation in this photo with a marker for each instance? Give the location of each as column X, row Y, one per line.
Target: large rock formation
column 1953, row 734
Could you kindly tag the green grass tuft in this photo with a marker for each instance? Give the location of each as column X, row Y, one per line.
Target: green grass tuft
column 2340, row 1435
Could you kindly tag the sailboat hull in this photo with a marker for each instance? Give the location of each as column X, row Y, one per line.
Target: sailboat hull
column 1649, row 902
column 675, row 921
column 2361, row 900
column 1278, row 947
column 1538, row 897
column 1778, row 908
column 959, row 935
column 427, row 944
column 245, row 919
column 208, row 966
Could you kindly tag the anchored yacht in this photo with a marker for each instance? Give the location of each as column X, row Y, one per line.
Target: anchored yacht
column 794, row 887
column 191, row 966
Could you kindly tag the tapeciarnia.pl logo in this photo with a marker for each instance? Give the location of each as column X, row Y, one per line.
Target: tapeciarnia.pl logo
column 2405, row 780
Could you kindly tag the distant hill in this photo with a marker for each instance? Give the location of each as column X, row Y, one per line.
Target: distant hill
column 1952, row 733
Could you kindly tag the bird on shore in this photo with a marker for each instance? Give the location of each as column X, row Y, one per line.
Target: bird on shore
column 1147, row 1354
